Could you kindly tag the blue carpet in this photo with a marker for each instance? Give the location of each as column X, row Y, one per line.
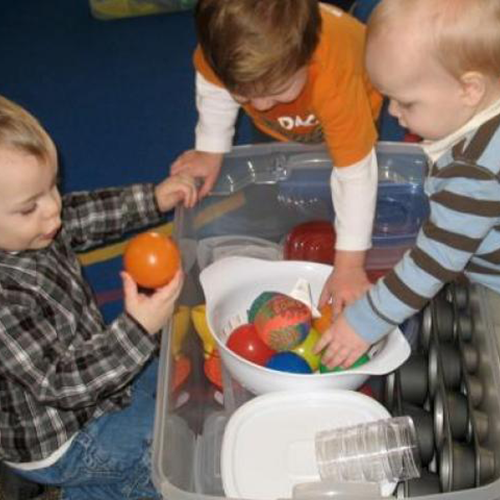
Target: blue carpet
column 116, row 96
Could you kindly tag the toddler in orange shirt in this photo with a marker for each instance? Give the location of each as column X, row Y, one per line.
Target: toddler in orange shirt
column 296, row 68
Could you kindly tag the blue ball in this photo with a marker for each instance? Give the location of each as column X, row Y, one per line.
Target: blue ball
column 288, row 362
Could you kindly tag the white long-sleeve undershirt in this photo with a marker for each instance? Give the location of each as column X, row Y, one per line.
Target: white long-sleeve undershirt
column 217, row 113
column 354, row 196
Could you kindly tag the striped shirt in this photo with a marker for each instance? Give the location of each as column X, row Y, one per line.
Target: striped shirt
column 461, row 235
column 60, row 364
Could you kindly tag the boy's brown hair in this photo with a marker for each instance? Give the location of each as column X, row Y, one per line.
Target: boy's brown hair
column 21, row 131
column 255, row 46
column 464, row 35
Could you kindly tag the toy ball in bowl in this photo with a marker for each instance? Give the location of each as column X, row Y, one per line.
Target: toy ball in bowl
column 246, row 342
column 281, row 321
column 288, row 361
column 232, row 284
column 359, row 362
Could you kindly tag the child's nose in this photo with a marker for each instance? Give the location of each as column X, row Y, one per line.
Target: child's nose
column 394, row 109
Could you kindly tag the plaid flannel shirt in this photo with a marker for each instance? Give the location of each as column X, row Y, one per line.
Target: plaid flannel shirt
column 60, row 364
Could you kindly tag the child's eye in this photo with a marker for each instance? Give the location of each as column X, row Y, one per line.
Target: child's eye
column 406, row 105
column 28, row 210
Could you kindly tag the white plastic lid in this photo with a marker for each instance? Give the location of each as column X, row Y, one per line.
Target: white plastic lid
column 268, row 446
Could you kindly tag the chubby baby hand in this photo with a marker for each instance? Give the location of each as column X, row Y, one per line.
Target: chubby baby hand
column 343, row 287
column 174, row 189
column 200, row 164
column 341, row 345
column 152, row 311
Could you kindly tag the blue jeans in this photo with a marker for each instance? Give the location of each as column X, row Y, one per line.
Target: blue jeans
column 110, row 457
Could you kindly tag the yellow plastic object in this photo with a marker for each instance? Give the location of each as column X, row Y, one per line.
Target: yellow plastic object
column 114, row 9
column 180, row 328
column 199, row 317
column 305, row 349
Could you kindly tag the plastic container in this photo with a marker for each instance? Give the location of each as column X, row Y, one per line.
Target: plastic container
column 264, row 192
column 332, row 489
column 383, row 451
column 268, row 448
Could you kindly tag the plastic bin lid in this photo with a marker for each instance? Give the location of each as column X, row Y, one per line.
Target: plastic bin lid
column 268, row 446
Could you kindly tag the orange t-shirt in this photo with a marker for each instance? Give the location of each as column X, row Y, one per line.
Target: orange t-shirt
column 337, row 105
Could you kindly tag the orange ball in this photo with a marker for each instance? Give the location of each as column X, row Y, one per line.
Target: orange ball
column 152, row 259
column 324, row 322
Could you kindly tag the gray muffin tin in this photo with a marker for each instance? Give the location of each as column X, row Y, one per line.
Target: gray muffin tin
column 450, row 385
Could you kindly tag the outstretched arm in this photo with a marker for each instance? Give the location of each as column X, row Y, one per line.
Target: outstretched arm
column 93, row 217
column 65, row 356
column 217, row 113
column 354, row 193
column 464, row 210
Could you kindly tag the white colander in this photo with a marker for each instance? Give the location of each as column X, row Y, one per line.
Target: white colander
column 231, row 284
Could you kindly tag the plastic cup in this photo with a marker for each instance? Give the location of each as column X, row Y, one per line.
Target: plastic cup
column 380, row 451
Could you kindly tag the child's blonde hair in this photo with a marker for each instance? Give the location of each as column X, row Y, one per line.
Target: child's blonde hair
column 21, row 131
column 255, row 46
column 464, row 35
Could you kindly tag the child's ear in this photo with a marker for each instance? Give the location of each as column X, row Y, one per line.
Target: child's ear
column 473, row 87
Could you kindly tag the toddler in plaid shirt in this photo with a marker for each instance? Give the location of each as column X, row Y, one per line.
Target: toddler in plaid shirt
column 71, row 386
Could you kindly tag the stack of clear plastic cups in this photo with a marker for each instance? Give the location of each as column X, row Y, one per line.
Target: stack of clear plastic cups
column 382, row 451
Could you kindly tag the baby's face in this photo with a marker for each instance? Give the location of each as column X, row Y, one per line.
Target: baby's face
column 30, row 203
column 424, row 97
column 283, row 95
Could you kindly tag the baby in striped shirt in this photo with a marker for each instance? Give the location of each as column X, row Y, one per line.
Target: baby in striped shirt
column 438, row 62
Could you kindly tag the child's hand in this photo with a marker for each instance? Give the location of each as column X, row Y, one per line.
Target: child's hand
column 151, row 311
column 199, row 164
column 175, row 189
column 342, row 345
column 344, row 286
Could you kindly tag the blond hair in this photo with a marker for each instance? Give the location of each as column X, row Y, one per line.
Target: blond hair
column 21, row 131
column 255, row 46
column 464, row 35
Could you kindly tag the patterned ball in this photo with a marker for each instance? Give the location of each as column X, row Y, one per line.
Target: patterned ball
column 282, row 322
column 258, row 303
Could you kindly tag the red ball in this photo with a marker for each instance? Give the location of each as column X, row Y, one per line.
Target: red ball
column 152, row 259
column 246, row 342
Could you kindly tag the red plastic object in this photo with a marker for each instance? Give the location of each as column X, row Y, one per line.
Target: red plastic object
column 409, row 137
column 213, row 370
column 182, row 369
column 315, row 242
column 367, row 391
column 312, row 241
column 375, row 274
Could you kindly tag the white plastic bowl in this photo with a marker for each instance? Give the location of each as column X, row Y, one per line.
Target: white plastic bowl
column 231, row 284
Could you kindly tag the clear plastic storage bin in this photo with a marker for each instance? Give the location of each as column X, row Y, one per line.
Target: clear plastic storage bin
column 263, row 192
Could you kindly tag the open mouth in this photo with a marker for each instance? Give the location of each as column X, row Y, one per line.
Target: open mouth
column 52, row 234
